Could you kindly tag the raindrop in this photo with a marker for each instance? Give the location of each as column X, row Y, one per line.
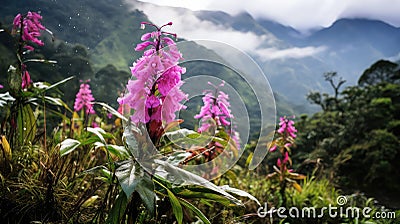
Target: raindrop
column 70, row 17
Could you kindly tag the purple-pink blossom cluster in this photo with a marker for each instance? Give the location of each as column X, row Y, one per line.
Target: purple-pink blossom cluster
column 30, row 25
column 84, row 99
column 155, row 92
column 216, row 106
column 286, row 127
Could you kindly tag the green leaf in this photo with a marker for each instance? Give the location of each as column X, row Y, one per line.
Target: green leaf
column 118, row 209
column 68, row 145
column 177, row 157
column 195, row 210
column 145, row 188
column 239, row 192
column 127, row 177
column 116, row 150
column 176, row 206
column 182, row 177
column 99, row 132
column 130, row 139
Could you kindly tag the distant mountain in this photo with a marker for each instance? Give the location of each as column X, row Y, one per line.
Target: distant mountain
column 350, row 46
column 354, row 44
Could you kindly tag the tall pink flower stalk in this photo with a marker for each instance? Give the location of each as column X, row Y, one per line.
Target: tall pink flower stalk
column 84, row 99
column 216, row 106
column 285, row 140
column 155, row 93
column 216, row 109
column 30, row 25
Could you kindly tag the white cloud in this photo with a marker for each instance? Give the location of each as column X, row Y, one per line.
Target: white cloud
column 300, row 14
column 295, row 52
column 188, row 26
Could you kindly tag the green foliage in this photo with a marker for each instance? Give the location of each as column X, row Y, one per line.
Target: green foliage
column 357, row 140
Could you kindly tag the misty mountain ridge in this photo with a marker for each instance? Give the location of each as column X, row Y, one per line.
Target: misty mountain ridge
column 350, row 45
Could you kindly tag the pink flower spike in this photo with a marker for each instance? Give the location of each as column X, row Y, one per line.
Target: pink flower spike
column 84, row 99
column 153, row 91
column 1, row 86
column 31, row 27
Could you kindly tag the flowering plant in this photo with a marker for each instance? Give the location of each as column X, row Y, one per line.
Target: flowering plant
column 283, row 172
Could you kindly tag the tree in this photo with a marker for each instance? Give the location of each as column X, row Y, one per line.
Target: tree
column 380, row 71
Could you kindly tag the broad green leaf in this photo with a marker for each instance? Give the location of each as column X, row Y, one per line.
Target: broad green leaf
column 239, row 192
column 145, row 188
column 130, row 140
column 176, row 206
column 182, row 177
column 127, row 177
column 118, row 209
column 195, row 210
column 177, row 157
column 68, row 145
column 99, row 132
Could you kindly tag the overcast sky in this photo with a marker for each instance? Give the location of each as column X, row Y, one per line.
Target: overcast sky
column 300, row 14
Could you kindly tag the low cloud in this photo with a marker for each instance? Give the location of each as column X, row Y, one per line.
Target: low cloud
column 302, row 15
column 190, row 27
column 268, row 54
